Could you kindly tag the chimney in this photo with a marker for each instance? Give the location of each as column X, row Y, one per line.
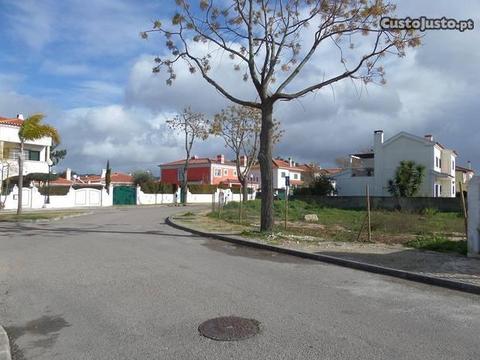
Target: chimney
column 68, row 174
column 104, row 173
column 377, row 139
column 290, row 162
column 469, row 165
column 221, row 159
column 429, row 137
column 20, row 116
column 243, row 160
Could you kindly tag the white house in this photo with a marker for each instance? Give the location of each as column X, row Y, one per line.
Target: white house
column 281, row 169
column 377, row 167
column 37, row 152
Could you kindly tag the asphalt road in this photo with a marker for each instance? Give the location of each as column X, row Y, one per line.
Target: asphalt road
column 120, row 284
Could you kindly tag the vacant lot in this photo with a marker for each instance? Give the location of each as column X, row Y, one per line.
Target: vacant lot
column 428, row 230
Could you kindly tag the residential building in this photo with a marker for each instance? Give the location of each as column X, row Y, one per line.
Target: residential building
column 36, row 152
column 281, row 169
column 377, row 167
column 203, row 170
column 116, row 179
column 463, row 175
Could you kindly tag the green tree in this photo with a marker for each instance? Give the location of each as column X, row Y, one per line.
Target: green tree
column 108, row 177
column 32, row 129
column 142, row 177
column 408, row 179
column 271, row 44
column 57, row 155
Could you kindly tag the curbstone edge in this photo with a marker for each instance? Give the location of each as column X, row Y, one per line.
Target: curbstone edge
column 406, row 275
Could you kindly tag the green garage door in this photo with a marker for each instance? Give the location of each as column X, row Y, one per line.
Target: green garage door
column 124, row 195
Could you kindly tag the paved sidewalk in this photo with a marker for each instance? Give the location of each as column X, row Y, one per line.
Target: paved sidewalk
column 448, row 266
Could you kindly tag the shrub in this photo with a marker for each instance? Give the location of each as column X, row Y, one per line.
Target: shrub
column 154, row 187
column 322, row 186
column 54, row 190
column 202, row 188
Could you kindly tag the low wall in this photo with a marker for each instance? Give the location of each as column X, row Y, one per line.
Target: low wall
column 220, row 195
column 386, row 203
column 84, row 197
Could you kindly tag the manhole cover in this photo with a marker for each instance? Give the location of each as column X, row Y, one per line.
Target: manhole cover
column 229, row 328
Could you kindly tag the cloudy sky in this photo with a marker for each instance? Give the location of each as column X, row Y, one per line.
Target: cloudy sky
column 82, row 63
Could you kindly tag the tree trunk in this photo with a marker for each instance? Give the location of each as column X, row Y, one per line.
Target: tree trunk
column 265, row 160
column 20, row 181
column 184, row 186
column 244, row 189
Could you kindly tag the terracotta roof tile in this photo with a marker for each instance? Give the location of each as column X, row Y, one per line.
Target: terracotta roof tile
column 12, row 122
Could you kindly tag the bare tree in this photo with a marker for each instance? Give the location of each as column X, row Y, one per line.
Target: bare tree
column 271, row 42
column 239, row 127
column 192, row 126
column 311, row 173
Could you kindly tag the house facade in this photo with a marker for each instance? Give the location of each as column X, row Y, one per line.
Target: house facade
column 463, row 175
column 203, row 170
column 377, row 167
column 36, row 152
column 281, row 169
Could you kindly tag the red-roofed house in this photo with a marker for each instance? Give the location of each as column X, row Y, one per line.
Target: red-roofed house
column 117, row 179
column 281, row 169
column 202, row 170
column 36, row 152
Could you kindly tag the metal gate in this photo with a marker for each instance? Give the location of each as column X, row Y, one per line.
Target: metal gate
column 124, row 195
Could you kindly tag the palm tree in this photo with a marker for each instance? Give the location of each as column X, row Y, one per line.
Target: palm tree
column 32, row 129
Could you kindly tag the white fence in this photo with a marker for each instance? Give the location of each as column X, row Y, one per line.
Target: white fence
column 32, row 199
column 89, row 197
column 220, row 195
column 474, row 217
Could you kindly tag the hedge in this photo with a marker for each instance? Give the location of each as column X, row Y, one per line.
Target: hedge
column 152, row 187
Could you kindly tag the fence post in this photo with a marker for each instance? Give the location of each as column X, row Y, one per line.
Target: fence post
column 368, row 214
column 474, row 217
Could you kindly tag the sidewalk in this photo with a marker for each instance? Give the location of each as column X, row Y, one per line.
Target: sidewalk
column 446, row 266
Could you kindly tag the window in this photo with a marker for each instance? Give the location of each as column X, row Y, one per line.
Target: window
column 218, row 172
column 33, row 155
column 453, row 165
column 283, row 174
column 15, row 152
column 438, row 162
column 234, row 172
column 295, row 176
column 225, row 172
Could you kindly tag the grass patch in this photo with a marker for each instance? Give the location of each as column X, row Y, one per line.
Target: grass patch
column 344, row 225
column 435, row 242
column 37, row 215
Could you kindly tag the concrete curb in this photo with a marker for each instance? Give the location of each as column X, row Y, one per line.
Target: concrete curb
column 4, row 345
column 406, row 275
column 34, row 221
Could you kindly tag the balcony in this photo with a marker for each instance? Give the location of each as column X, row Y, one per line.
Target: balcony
column 364, row 172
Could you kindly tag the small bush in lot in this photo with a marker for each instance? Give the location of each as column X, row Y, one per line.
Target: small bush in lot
column 435, row 242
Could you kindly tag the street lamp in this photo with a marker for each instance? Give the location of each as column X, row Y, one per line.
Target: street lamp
column 50, row 163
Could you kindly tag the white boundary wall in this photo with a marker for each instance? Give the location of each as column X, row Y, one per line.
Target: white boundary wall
column 474, row 217
column 85, row 197
column 89, row 197
column 157, row 199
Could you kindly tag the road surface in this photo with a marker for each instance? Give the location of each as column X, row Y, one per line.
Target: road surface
column 121, row 284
